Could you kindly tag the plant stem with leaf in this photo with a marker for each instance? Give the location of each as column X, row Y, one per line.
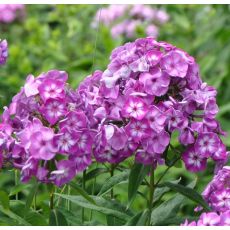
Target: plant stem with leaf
column 83, row 186
column 16, row 182
column 111, row 175
column 151, row 194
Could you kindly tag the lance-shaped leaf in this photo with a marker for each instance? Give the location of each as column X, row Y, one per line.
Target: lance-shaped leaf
column 137, row 175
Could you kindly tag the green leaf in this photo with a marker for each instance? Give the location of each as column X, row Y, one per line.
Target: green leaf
column 94, row 173
column 113, row 221
column 36, row 219
column 102, row 205
column 14, row 216
column 139, row 219
column 134, row 219
column 82, row 192
column 4, row 200
column 112, row 181
column 31, row 195
column 143, row 219
column 190, row 193
column 161, row 190
column 137, row 174
column 57, row 218
column 168, row 209
column 18, row 188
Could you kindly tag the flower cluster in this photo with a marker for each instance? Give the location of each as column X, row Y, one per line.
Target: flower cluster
column 126, row 19
column 149, row 90
column 11, row 12
column 3, row 51
column 217, row 193
column 211, row 219
column 44, row 133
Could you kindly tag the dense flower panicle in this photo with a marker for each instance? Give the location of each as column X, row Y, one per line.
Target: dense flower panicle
column 149, row 91
column 11, row 12
column 3, row 51
column 211, row 219
column 44, row 132
column 217, row 193
column 126, row 19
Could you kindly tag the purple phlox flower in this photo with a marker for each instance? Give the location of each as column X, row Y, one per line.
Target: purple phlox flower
column 193, row 160
column 156, row 143
column 209, row 219
column 29, row 169
column 64, row 173
column 51, row 88
column 221, row 200
column 3, row 50
column 42, row 146
column 174, row 64
column 155, row 82
column 138, row 130
column 66, row 141
column 186, row 136
column 135, row 107
column 156, row 118
column 207, row 144
column 53, row 110
column 31, row 86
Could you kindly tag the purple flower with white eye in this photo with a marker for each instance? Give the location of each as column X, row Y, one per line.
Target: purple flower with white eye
column 209, row 219
column 53, row 110
column 155, row 82
column 135, row 107
column 74, row 120
column 81, row 160
column 85, row 141
column 194, row 162
column 51, row 88
column 42, row 146
column 156, row 143
column 3, row 51
column 138, row 130
column 153, row 57
column 156, row 118
column 220, row 154
column 66, row 141
column 64, row 173
column 176, row 120
column 221, row 199
column 207, row 144
column 174, row 64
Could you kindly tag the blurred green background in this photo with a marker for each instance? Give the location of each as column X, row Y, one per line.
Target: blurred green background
column 60, row 36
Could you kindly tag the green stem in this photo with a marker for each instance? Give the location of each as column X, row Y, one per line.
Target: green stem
column 16, row 182
column 164, row 173
column 68, row 202
column 111, row 175
column 51, row 200
column 151, row 194
column 61, row 192
column 93, row 189
column 52, row 190
column 83, row 186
